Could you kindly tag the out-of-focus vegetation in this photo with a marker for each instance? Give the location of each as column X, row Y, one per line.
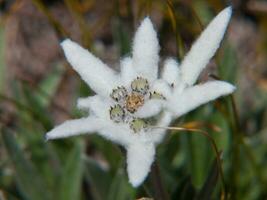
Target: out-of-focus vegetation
column 38, row 90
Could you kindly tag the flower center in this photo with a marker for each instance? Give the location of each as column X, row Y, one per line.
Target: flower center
column 134, row 101
column 128, row 102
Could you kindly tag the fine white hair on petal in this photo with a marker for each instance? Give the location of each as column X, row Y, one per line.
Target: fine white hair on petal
column 128, row 73
column 96, row 104
column 151, row 108
column 161, row 86
column 83, row 103
column 146, row 50
column 171, row 71
column 117, row 132
column 195, row 96
column 139, row 159
column 75, row 127
column 92, row 70
column 164, row 121
column 204, row 48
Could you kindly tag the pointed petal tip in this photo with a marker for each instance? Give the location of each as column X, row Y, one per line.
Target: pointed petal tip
column 226, row 13
column 229, row 10
column 135, row 183
column 47, row 137
column 61, row 39
column 147, row 21
column 225, row 87
column 66, row 42
column 231, row 88
column 146, row 25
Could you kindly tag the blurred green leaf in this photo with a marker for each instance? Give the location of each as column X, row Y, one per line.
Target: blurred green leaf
column 28, row 178
column 48, row 86
column 40, row 112
column 98, row 178
column 210, row 183
column 120, row 188
column 228, row 64
column 71, row 176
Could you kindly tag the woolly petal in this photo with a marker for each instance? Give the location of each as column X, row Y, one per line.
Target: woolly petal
column 205, row 47
column 74, row 127
column 171, row 72
column 128, row 73
column 96, row 104
column 151, row 108
column 92, row 70
column 145, row 50
column 139, row 159
column 161, row 86
column 193, row 97
column 164, row 121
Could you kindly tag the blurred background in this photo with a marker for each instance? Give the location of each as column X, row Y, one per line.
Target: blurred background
column 38, row 89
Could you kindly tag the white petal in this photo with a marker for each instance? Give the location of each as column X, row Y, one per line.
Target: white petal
column 161, row 86
column 171, row 71
column 128, row 73
column 74, row 127
column 195, row 96
column 205, row 47
column 164, row 121
column 92, row 70
column 98, row 105
column 118, row 133
column 139, row 159
column 145, row 50
column 151, row 108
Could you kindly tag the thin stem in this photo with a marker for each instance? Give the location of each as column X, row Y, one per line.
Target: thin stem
column 179, row 46
column 239, row 140
column 160, row 192
column 60, row 31
column 246, row 147
column 214, row 146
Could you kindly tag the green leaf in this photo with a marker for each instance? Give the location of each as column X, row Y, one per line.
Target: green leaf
column 228, row 64
column 210, row 183
column 39, row 110
column 71, row 177
column 99, row 179
column 120, row 188
column 48, row 87
column 28, row 178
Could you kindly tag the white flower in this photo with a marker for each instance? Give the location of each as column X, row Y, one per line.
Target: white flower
column 128, row 104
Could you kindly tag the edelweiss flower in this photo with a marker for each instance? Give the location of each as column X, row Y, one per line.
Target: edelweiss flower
column 129, row 105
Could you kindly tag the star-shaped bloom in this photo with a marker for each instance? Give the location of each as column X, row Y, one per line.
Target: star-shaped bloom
column 129, row 104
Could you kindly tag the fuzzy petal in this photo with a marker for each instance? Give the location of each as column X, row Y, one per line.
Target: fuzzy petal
column 164, row 121
column 161, row 86
column 146, row 50
column 96, row 104
column 117, row 133
column 171, row 72
column 139, row 159
column 74, row 127
column 195, row 96
column 151, row 108
column 92, row 70
column 128, row 73
column 205, row 47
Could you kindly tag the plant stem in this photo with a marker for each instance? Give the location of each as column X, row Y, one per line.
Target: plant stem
column 160, row 192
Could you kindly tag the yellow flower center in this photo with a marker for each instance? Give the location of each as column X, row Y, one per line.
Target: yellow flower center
column 134, row 101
